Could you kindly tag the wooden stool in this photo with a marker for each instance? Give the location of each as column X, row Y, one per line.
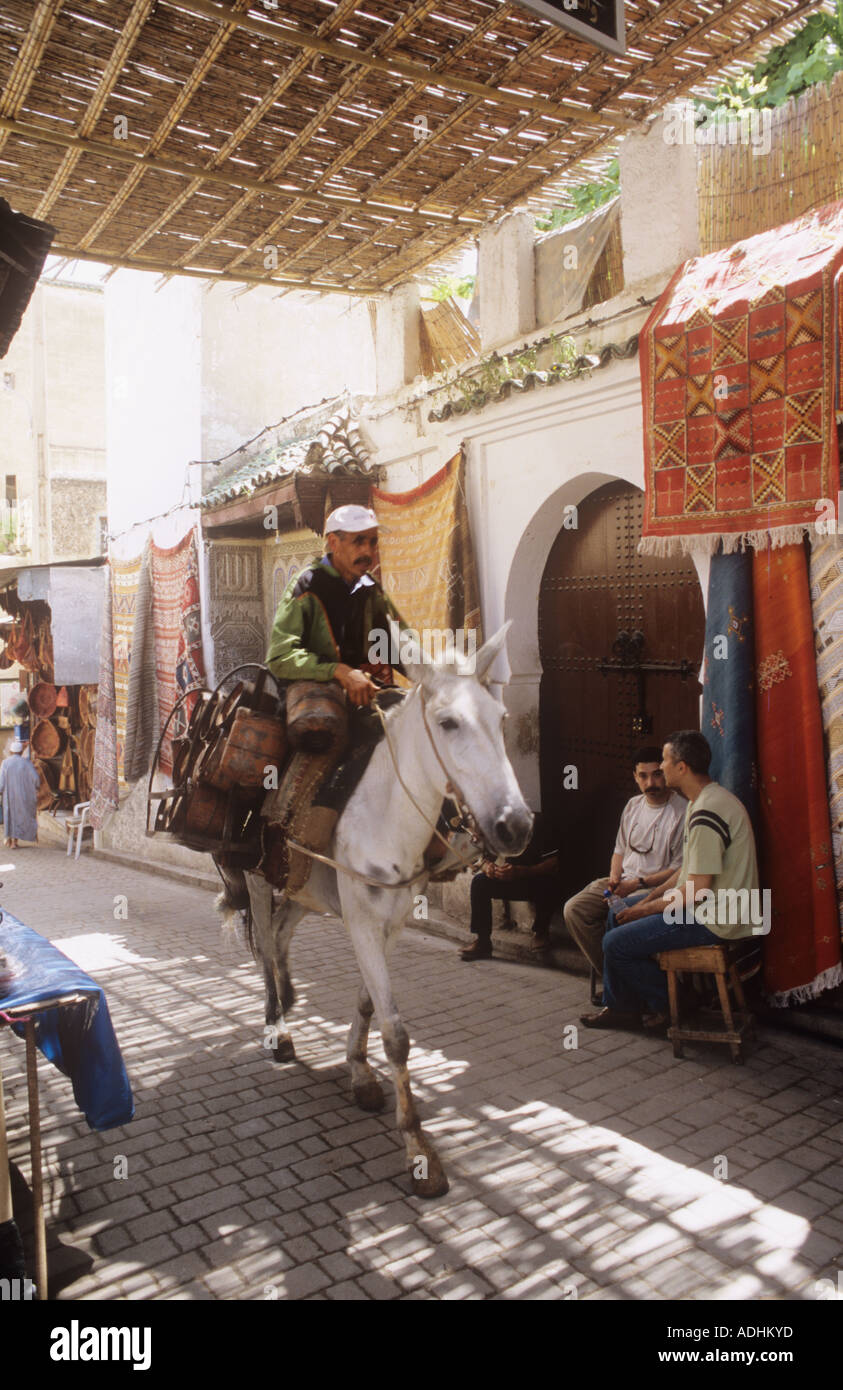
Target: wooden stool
column 722, row 963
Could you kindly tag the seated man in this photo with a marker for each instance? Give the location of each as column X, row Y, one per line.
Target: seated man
column 647, row 851
column 531, row 877
column 718, row 854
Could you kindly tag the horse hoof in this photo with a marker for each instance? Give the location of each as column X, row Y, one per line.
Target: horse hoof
column 369, row 1095
column 285, row 1051
column 434, row 1185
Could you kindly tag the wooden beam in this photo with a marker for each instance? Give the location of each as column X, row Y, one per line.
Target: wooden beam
column 121, row 262
column 252, row 118
column 300, row 141
column 345, row 53
column 713, row 65
column 538, row 46
column 201, row 68
column 122, row 152
column 29, row 57
column 128, row 37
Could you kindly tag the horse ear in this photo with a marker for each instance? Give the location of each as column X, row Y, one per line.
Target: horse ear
column 414, row 663
column 487, row 653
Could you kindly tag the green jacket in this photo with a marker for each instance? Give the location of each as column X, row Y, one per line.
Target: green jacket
column 320, row 622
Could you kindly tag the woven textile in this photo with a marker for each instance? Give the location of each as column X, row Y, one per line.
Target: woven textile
column 738, row 377
column 104, row 796
column 178, row 649
column 142, row 699
column 802, row 952
column 237, row 620
column 827, row 603
column 728, row 715
column 426, row 555
column 125, row 576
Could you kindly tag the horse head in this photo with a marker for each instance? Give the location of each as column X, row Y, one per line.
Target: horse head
column 464, row 723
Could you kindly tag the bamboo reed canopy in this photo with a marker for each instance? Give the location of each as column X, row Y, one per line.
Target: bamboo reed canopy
column 330, row 145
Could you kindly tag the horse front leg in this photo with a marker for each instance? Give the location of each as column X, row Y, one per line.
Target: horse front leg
column 426, row 1172
column 368, row 1091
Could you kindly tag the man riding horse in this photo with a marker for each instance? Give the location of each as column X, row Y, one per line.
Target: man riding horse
column 321, row 629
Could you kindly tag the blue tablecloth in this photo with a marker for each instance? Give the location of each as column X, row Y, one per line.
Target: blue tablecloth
column 79, row 1039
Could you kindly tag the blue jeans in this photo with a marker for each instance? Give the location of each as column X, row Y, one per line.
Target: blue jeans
column 632, row 981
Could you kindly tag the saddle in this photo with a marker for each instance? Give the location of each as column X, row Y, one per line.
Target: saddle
column 314, row 790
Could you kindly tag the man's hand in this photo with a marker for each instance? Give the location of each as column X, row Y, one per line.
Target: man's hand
column 633, row 914
column 629, row 885
column 357, row 686
column 503, row 872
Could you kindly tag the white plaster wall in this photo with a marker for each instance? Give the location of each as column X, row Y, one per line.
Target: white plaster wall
column 265, row 356
column 659, row 224
column 153, row 395
column 527, row 458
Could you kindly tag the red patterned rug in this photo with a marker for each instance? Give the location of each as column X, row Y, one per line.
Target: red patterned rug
column 738, row 371
column 802, row 951
column 178, row 639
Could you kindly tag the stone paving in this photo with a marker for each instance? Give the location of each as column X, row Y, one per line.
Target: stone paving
column 582, row 1165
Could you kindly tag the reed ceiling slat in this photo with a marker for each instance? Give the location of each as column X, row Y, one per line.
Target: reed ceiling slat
column 296, row 128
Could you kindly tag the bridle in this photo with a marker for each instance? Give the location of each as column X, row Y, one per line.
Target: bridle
column 466, row 821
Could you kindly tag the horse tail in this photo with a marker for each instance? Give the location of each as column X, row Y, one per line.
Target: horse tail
column 234, row 906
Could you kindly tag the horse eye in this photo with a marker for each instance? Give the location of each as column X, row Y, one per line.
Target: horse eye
column 448, row 725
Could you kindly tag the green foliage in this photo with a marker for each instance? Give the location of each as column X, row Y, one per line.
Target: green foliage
column 481, row 382
column 453, row 287
column 814, row 54
column 584, row 198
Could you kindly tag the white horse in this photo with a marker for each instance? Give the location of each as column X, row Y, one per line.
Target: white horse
column 448, row 731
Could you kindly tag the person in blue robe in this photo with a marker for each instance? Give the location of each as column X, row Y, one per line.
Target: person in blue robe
column 19, row 782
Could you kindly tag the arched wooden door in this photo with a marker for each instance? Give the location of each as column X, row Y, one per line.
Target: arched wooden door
column 596, row 588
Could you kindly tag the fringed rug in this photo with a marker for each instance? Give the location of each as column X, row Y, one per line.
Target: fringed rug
column 104, row 797
column 178, row 652
column 802, row 955
column 827, row 602
column 728, row 718
column 426, row 555
column 738, row 377
column 125, row 576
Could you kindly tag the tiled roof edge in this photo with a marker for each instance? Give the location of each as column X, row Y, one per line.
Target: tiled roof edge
column 587, row 362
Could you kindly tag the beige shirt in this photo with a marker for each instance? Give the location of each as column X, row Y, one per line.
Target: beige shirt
column 650, row 837
column 718, row 840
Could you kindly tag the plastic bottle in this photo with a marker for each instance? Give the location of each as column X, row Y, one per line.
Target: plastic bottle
column 613, row 901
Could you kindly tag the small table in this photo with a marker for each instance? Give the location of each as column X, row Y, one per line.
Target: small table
column 47, row 988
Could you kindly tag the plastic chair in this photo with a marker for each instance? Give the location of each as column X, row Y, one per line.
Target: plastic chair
column 77, row 822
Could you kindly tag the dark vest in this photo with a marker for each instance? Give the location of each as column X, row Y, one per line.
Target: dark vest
column 350, row 615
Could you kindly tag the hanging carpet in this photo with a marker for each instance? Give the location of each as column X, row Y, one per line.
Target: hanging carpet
column 426, row 555
column 142, row 697
column 802, row 952
column 178, row 645
column 125, row 577
column 104, row 796
column 827, row 601
column 738, row 373
column 728, row 709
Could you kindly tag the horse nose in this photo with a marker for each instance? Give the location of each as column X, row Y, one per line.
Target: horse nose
column 513, row 828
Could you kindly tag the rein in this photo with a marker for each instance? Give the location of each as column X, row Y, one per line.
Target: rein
column 466, row 819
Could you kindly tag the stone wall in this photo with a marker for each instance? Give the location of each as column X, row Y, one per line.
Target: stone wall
column 76, row 505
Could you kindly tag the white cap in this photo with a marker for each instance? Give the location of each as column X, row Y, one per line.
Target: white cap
column 351, row 518
column 15, row 746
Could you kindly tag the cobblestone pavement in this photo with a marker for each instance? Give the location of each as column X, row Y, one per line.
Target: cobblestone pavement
column 606, row 1170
